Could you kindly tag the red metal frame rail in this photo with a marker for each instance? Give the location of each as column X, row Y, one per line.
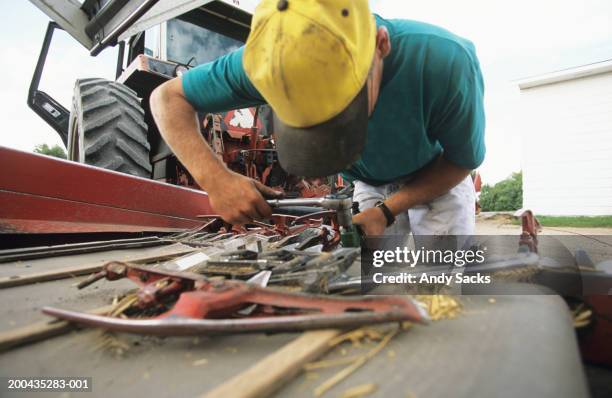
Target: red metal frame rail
column 41, row 194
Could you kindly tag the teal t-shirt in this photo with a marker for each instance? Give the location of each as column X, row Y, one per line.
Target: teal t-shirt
column 430, row 101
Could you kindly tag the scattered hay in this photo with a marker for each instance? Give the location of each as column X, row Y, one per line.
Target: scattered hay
column 582, row 316
column 329, row 363
column 111, row 342
column 199, row 362
column 356, row 364
column 356, row 336
column 359, row 391
column 440, row 306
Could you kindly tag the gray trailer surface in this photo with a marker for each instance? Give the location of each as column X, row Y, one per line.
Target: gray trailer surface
column 504, row 346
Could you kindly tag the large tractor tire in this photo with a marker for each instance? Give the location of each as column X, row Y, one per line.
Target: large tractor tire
column 107, row 128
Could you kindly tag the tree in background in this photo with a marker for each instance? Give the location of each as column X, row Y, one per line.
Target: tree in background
column 55, row 151
column 504, row 196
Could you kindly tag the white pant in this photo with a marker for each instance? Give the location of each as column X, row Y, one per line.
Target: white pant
column 450, row 214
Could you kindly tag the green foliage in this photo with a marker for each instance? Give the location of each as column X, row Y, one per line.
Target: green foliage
column 55, row 151
column 504, row 196
column 574, row 221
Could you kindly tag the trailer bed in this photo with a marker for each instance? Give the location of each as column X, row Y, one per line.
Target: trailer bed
column 498, row 346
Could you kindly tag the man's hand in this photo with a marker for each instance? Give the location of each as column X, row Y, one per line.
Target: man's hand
column 372, row 221
column 239, row 199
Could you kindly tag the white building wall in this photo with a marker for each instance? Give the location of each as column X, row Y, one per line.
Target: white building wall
column 567, row 146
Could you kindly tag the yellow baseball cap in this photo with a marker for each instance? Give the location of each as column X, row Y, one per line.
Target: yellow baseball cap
column 310, row 60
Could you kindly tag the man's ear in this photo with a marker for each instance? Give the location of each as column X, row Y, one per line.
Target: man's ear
column 383, row 42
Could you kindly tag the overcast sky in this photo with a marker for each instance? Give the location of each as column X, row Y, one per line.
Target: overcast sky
column 513, row 39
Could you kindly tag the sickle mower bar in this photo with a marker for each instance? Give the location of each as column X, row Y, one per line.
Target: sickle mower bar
column 205, row 306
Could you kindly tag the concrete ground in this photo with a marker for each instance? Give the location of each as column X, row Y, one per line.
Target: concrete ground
column 501, row 224
column 596, row 242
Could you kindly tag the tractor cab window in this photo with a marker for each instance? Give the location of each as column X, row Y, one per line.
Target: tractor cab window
column 186, row 41
column 151, row 43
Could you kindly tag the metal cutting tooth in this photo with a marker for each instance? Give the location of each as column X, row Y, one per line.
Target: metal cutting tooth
column 234, row 244
column 222, row 236
column 200, row 235
column 207, row 237
column 260, row 243
column 287, row 240
column 251, row 242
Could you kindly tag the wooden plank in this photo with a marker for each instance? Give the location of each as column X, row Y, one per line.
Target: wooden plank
column 269, row 374
column 40, row 331
column 69, row 272
column 62, row 273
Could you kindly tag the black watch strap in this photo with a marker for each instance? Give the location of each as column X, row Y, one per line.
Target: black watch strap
column 388, row 215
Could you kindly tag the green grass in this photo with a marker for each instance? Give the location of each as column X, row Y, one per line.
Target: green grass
column 573, row 221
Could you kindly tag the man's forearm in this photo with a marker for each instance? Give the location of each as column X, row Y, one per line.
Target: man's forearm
column 435, row 180
column 178, row 124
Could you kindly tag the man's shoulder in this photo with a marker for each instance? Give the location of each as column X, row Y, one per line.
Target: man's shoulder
column 220, row 85
column 410, row 34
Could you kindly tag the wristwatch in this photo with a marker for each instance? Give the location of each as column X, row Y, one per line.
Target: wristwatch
column 388, row 215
